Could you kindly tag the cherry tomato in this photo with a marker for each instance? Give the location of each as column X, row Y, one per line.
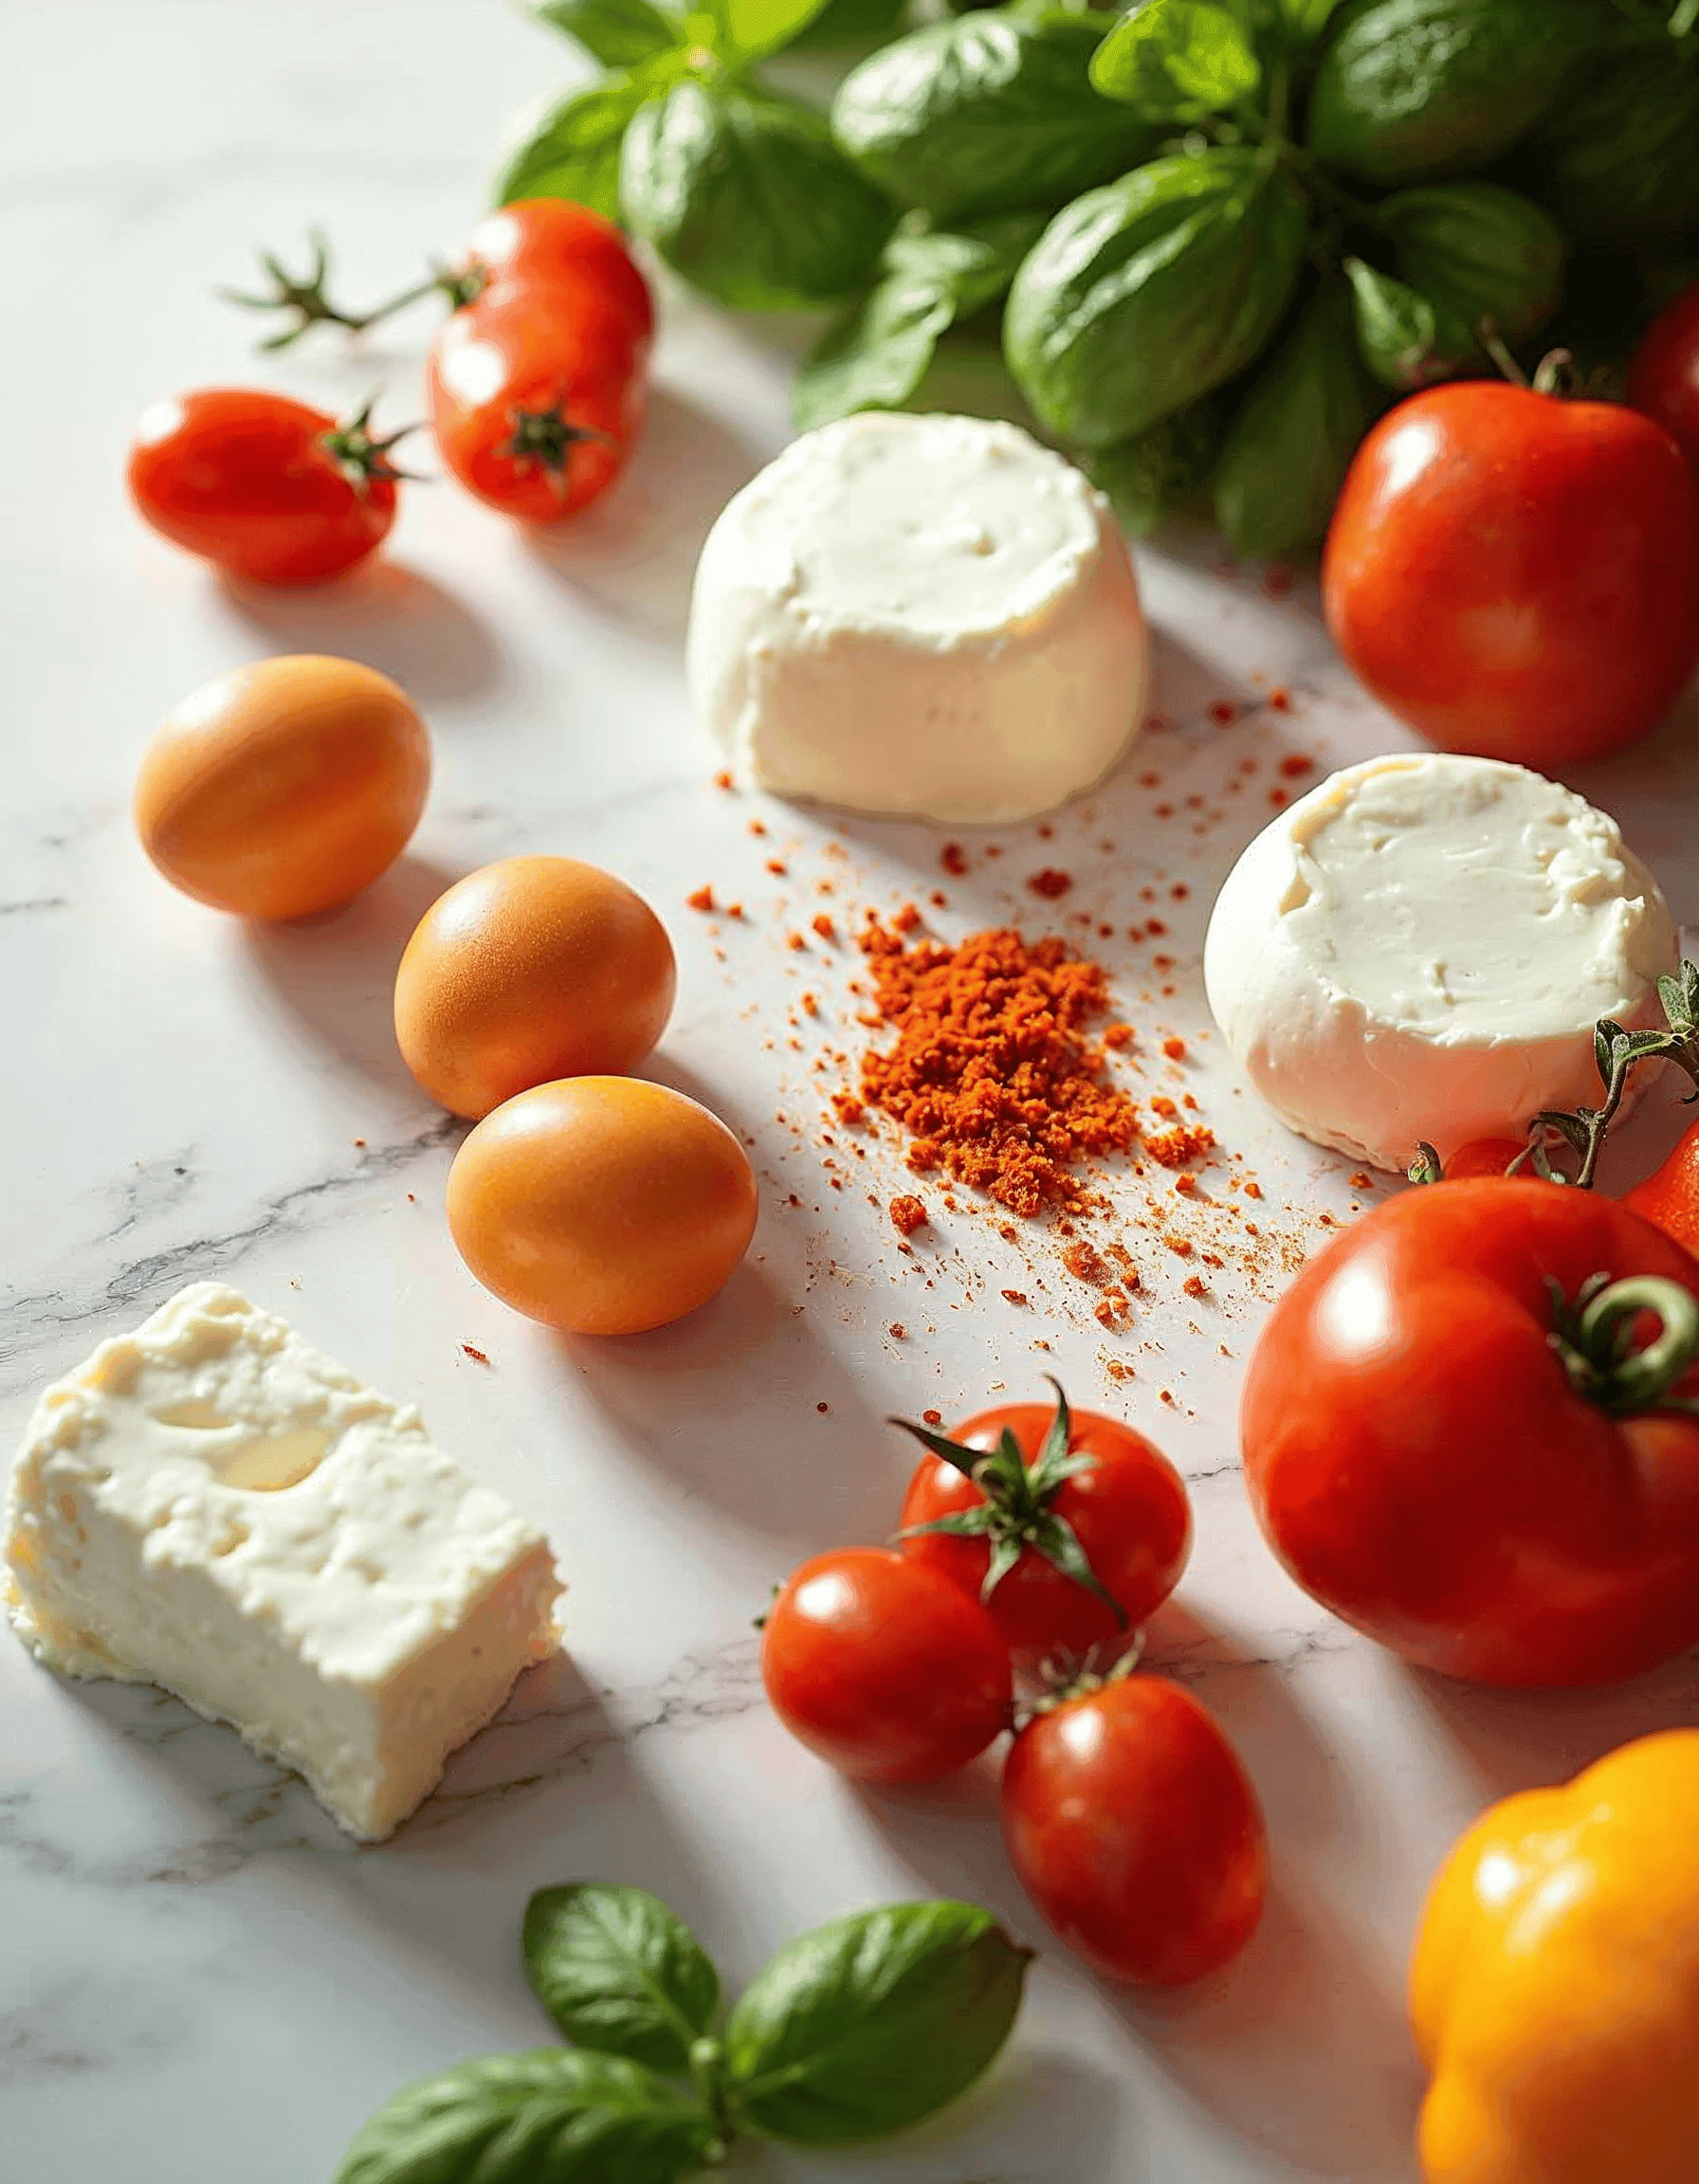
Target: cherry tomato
column 1133, row 1827
column 884, row 1667
column 1668, row 1197
column 1515, row 575
column 1466, row 1468
column 1122, row 1515
column 263, row 486
column 548, row 242
column 1663, row 374
column 1483, row 1157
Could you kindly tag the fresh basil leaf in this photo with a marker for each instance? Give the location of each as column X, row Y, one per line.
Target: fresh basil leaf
column 1142, row 296
column 551, row 2116
column 1304, row 20
column 1619, row 159
column 746, row 196
column 876, row 355
column 1177, row 60
column 851, row 24
column 1291, row 442
column 575, row 152
column 1161, row 472
column 1419, row 87
column 752, row 27
column 991, row 111
column 620, row 1972
column 872, row 2023
column 615, row 32
column 1400, row 335
column 1478, row 251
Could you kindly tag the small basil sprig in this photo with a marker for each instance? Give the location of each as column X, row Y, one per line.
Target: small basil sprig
column 1177, row 60
column 859, row 2028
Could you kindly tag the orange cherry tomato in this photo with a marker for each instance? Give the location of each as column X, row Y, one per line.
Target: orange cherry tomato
column 1668, row 1197
column 283, row 788
column 533, row 969
column 602, row 1205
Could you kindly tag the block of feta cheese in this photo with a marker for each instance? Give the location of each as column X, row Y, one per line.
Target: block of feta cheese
column 925, row 616
column 1420, row 948
column 212, row 1506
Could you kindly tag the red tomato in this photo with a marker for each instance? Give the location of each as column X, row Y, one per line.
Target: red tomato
column 1135, row 1830
column 1483, row 1157
column 1126, row 1514
column 535, row 403
column 1515, row 575
column 263, row 486
column 884, row 1667
column 1669, row 1198
column 1663, row 374
column 547, row 242
column 1430, row 1464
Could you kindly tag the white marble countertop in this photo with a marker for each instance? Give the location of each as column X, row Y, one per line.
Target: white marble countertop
column 200, row 1979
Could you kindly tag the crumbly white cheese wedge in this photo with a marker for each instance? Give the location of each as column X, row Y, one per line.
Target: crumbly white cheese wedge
column 1420, row 949
column 930, row 616
column 212, row 1506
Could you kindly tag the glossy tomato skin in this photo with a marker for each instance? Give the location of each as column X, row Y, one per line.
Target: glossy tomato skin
column 1516, row 575
column 244, row 478
column 552, row 244
column 884, row 1668
column 1135, row 1830
column 1420, row 1464
column 562, row 332
column 1668, row 1197
column 1663, row 374
column 1130, row 1515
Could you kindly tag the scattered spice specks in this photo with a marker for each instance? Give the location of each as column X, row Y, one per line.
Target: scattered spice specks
column 908, row 1213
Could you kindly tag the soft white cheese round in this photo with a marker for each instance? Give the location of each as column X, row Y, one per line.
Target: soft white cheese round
column 927, row 616
column 1420, row 949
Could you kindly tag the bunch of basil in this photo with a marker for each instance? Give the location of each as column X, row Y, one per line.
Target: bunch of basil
column 1223, row 234
column 859, row 2028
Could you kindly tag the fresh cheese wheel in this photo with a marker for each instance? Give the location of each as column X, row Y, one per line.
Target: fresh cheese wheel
column 1420, row 949
column 923, row 616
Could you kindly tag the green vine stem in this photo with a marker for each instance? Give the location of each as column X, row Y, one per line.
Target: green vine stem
column 1594, row 1335
column 308, row 302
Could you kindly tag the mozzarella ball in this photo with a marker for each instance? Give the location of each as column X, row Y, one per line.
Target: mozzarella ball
column 602, row 1205
column 529, row 970
column 1420, row 949
column 932, row 616
column 283, row 788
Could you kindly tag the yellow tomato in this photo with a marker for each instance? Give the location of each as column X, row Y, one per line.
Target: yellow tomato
column 283, row 788
column 1554, row 1991
column 530, row 969
column 602, row 1205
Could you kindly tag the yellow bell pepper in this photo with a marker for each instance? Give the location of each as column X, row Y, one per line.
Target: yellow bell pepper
column 1554, row 1992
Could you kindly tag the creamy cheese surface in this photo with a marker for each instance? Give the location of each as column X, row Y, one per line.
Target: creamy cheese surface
column 1420, row 948
column 212, row 1506
column 925, row 615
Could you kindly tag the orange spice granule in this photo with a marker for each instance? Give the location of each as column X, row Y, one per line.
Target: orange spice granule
column 823, row 926
column 953, row 856
column 1014, row 1296
column 1086, row 1264
column 932, row 1417
column 777, row 867
column 1174, row 1050
column 1180, row 1146
column 1050, row 884
column 899, row 1332
column 907, row 1213
column 796, row 943
column 1119, row 1035
column 1297, row 766
column 992, row 1075
column 722, row 780
column 702, row 900
column 1224, row 712
column 1254, row 1189
column 477, row 1355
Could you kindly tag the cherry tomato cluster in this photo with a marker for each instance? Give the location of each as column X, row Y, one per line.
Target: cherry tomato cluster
column 1036, row 1539
column 536, row 388
column 1515, row 572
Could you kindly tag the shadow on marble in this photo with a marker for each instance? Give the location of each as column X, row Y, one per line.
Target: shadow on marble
column 1514, row 1740
column 679, row 1401
column 632, row 556
column 392, row 617
column 334, row 975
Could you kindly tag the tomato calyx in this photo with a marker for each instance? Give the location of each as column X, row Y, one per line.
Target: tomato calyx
column 1017, row 1512
column 1065, row 1681
column 1616, row 1053
column 307, row 299
column 1593, row 1336
column 361, row 457
column 544, row 438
